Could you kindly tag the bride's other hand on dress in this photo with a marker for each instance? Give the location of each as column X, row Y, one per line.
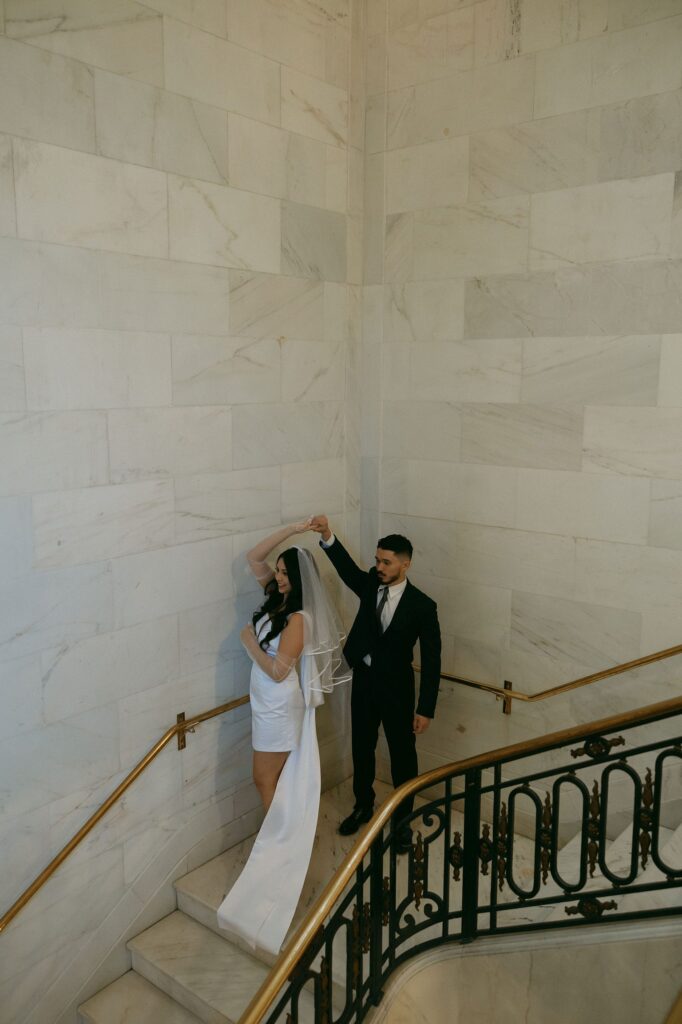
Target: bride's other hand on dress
column 258, row 554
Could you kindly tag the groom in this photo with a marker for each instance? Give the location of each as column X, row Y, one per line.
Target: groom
column 392, row 616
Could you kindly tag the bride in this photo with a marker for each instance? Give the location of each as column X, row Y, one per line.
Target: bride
column 294, row 642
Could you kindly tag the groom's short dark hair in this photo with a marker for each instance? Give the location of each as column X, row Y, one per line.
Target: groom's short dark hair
column 396, row 543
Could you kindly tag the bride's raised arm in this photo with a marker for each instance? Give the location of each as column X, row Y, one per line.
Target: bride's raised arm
column 257, row 556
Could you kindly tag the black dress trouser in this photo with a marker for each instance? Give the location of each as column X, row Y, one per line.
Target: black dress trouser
column 375, row 702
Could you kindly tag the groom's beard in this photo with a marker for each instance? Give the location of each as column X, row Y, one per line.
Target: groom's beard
column 386, row 580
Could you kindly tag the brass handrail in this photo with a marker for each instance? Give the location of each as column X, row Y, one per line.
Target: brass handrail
column 574, row 684
column 288, row 961
column 181, row 727
column 675, row 1015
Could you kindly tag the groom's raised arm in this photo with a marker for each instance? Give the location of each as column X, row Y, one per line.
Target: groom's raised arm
column 352, row 575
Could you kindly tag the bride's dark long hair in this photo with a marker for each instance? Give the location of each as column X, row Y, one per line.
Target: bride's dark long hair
column 279, row 607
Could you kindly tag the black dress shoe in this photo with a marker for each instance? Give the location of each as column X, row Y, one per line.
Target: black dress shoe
column 359, row 816
column 403, row 841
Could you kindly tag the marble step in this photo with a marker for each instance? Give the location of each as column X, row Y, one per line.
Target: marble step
column 134, row 1000
column 207, row 975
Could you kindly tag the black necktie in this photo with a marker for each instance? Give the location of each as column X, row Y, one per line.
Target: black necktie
column 380, row 608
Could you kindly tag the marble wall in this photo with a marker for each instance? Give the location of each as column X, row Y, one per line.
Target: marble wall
column 523, row 234
column 181, row 266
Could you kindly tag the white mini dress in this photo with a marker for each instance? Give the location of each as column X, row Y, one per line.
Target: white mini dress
column 277, row 709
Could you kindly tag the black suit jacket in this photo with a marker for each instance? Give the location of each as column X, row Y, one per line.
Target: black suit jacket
column 415, row 618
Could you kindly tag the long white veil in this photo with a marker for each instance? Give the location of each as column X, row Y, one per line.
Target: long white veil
column 323, row 633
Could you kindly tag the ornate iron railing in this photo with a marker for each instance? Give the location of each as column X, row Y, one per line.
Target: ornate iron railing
column 470, row 872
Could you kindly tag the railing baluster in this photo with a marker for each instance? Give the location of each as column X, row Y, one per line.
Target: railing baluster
column 376, row 891
column 472, row 824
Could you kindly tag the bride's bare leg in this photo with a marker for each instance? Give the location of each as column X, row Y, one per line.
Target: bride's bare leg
column 267, row 768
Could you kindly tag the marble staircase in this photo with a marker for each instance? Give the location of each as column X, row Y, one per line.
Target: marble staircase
column 186, row 971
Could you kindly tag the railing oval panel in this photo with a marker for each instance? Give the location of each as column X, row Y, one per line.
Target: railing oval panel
column 575, row 852
column 524, row 801
column 667, row 779
column 621, row 795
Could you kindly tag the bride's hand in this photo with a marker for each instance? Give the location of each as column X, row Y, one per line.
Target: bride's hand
column 304, row 526
column 248, row 635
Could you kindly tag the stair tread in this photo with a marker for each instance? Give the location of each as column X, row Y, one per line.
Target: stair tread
column 204, row 972
column 134, row 1000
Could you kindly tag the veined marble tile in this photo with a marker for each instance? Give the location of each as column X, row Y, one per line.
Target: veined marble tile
column 22, row 696
column 342, row 313
column 46, row 97
column 619, row 220
column 398, row 248
column 434, row 48
column 487, row 238
column 16, row 537
column 77, row 369
column 609, row 299
column 54, row 609
column 125, row 37
column 676, row 227
column 311, row 485
column 225, row 371
column 421, row 430
column 263, row 306
column 670, row 382
column 312, row 371
column 286, row 433
column 209, row 636
column 132, row 994
column 12, row 384
column 91, row 525
column 626, row 13
column 535, row 436
column 433, row 174
column 215, row 504
column 609, row 68
column 209, row 15
column 52, row 451
column 592, row 371
column 217, row 72
column 583, row 505
column 223, row 226
column 640, row 136
column 315, row 108
column 638, row 442
column 628, row 576
column 148, row 443
column 8, row 217
column 375, row 124
column 665, row 524
column 79, row 199
column 537, row 156
column 482, row 615
column 336, row 176
column 504, row 31
column 139, row 124
column 458, row 371
column 424, row 311
column 449, row 491
column 157, row 583
column 376, row 63
column 516, row 560
column 471, row 101
column 313, row 242
column 88, row 673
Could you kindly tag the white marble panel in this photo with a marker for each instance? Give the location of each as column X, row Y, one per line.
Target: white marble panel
column 336, row 177
column 209, row 15
column 223, row 226
column 434, row 48
column 536, row 436
column 424, row 311
column 215, row 504
column 21, row 685
column 8, row 217
column 46, row 97
column 312, row 371
column 278, row 163
column 307, row 486
column 639, row 442
column 537, row 156
column 421, row 430
column 148, row 443
column 504, row 31
column 665, row 524
column 105, row 668
column 124, row 37
column 640, row 136
column 12, row 384
column 16, row 537
column 209, row 636
column 286, row 433
column 156, row 583
column 342, row 313
column 224, row 371
column 676, row 226
column 449, row 491
column 628, row 576
column 464, row 371
column 79, row 369
column 486, row 238
column 75, row 527
column 78, row 199
column 207, row 68
column 626, row 13
column 433, row 174
column 313, row 242
column 263, row 306
column 53, row 451
column 471, row 101
column 592, row 371
column 139, row 124
column 314, row 108
column 582, row 505
column 660, row 629
column 609, row 68
column 516, row 560
column 618, row 220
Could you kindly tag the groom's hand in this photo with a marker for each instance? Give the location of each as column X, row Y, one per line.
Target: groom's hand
column 320, row 524
column 420, row 724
